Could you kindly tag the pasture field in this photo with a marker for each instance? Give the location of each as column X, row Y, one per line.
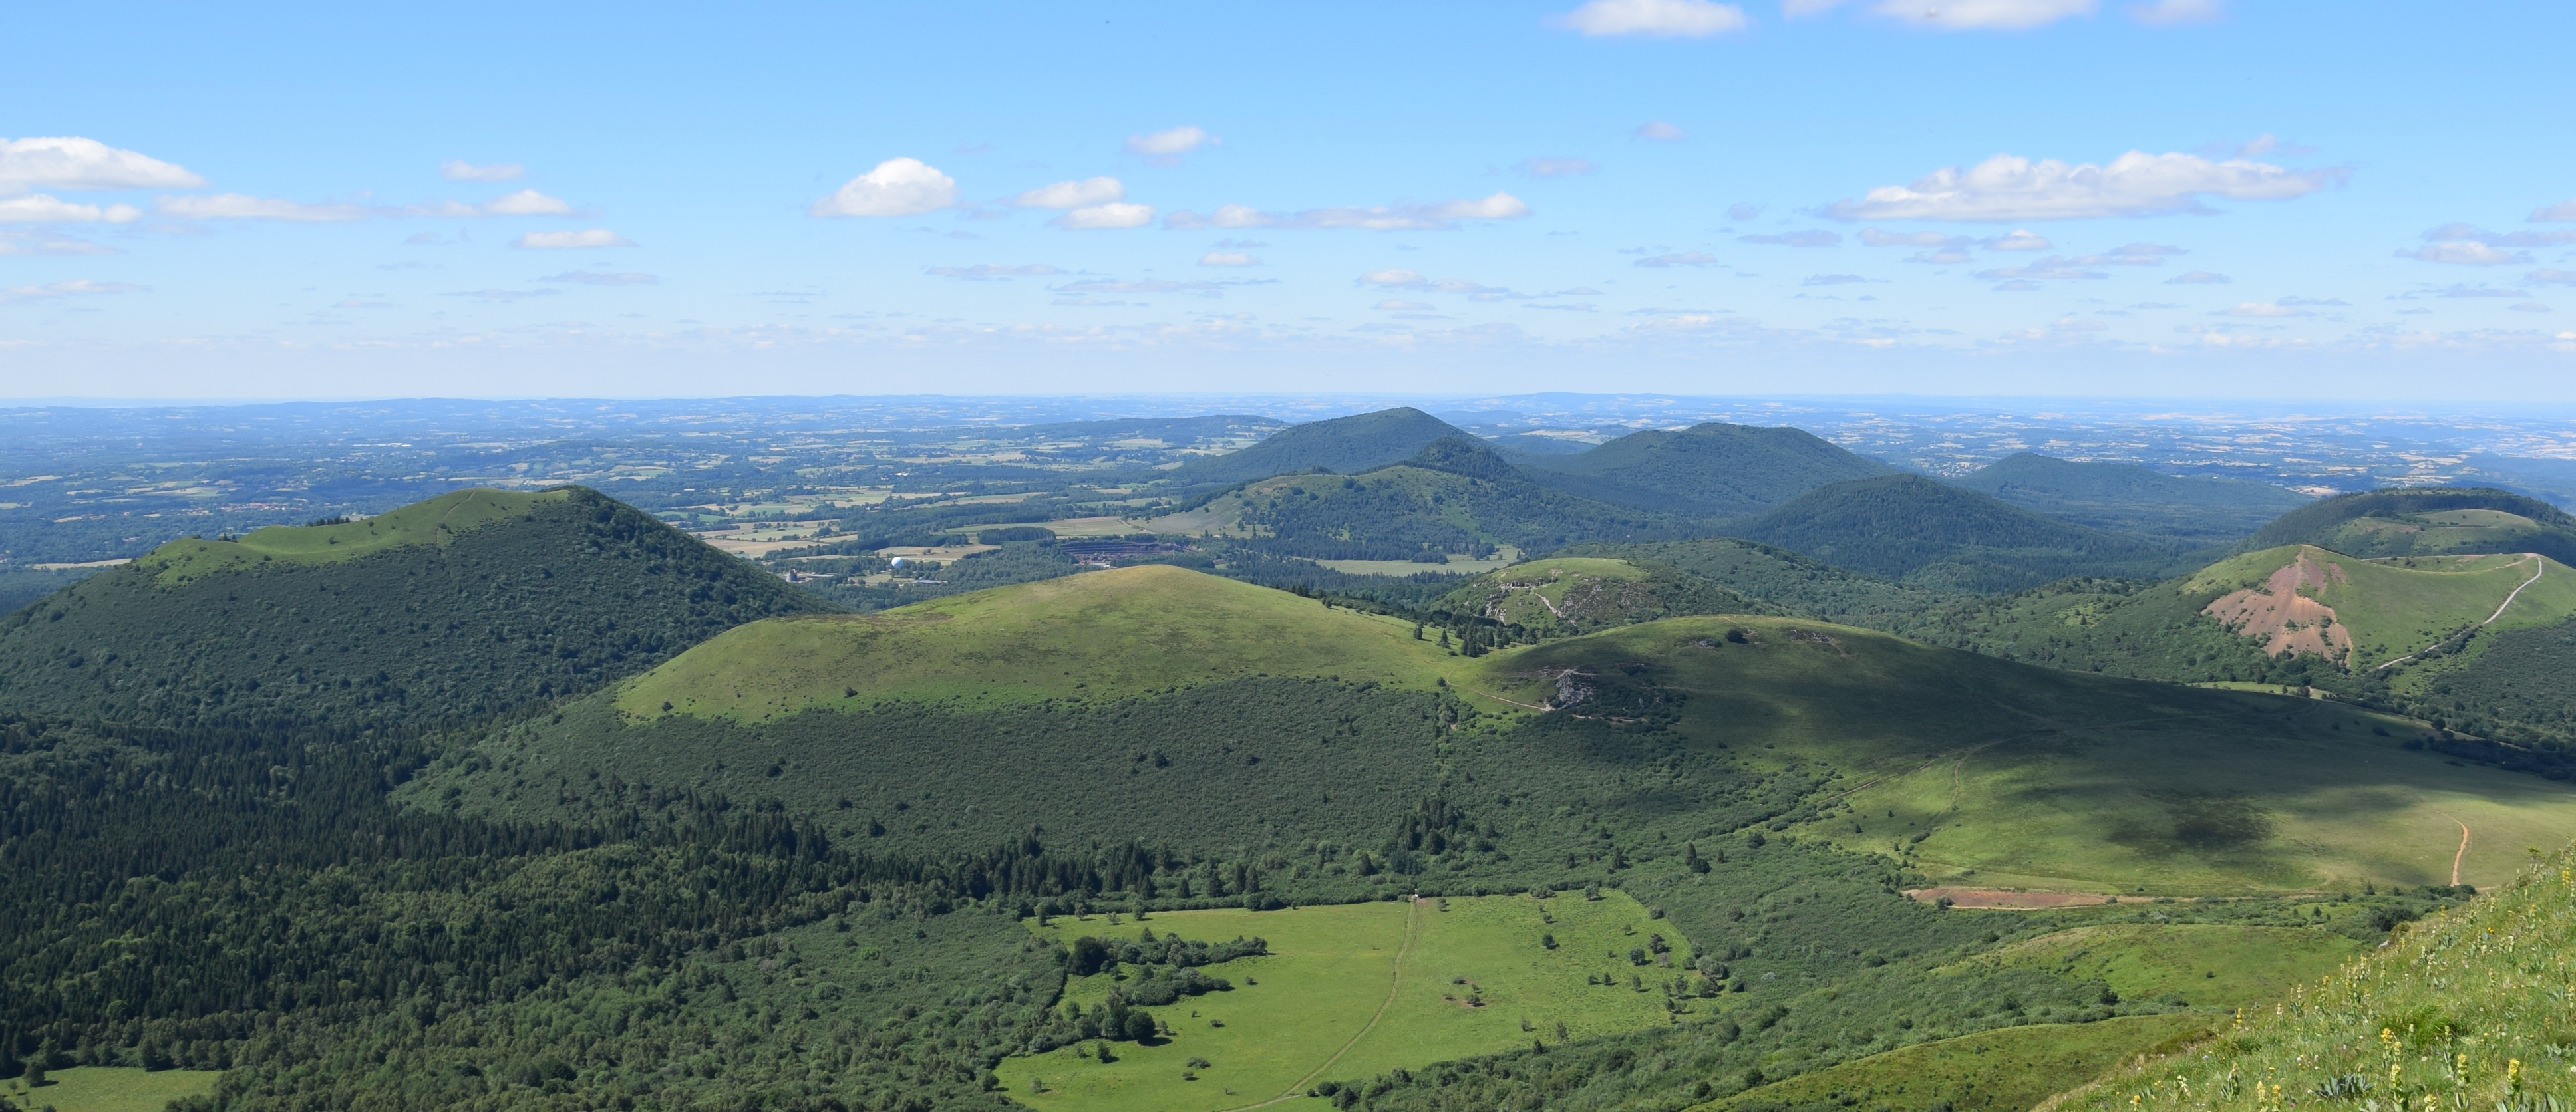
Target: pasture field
column 1350, row 991
column 2206, row 965
column 108, row 1089
column 1458, row 563
column 2009, row 1069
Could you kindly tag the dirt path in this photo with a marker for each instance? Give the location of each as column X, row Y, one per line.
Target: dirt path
column 2537, row 569
column 2463, row 852
column 1412, row 921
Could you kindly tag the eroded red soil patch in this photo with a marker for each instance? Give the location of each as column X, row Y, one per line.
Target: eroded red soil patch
column 2288, row 621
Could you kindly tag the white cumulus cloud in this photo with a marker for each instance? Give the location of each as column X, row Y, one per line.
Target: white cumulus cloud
column 40, row 208
column 1663, row 19
column 1116, row 214
column 896, row 187
column 2019, row 240
column 2553, row 277
column 243, row 206
column 1986, row 15
column 2009, row 187
column 564, row 241
column 1437, row 216
column 71, row 162
column 2563, row 210
column 1073, row 194
column 457, row 169
column 1228, row 258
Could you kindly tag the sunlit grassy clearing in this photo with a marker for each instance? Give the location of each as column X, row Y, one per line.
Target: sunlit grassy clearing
column 110, row 1089
column 1330, row 971
column 2396, row 606
column 2205, row 964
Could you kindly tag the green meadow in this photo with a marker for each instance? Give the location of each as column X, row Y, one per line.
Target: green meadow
column 2207, row 965
column 2395, row 606
column 109, row 1089
column 1354, row 990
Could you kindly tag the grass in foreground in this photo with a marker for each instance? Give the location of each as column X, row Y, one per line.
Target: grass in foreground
column 2006, row 1070
column 109, row 1089
column 1351, row 991
column 2465, row 1010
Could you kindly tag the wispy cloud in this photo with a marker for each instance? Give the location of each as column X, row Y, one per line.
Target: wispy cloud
column 72, row 162
column 501, row 295
column 457, row 169
column 1984, row 15
column 1684, row 258
column 243, row 206
column 1659, row 131
column 53, row 291
column 1073, row 194
column 983, row 272
column 41, row 208
column 1228, row 258
column 2198, row 278
column 605, row 278
column 1545, row 166
column 1166, row 147
column 563, row 241
column 2009, row 187
column 1661, row 19
column 1201, row 287
column 14, row 242
column 1814, row 237
column 1411, row 280
column 1436, row 216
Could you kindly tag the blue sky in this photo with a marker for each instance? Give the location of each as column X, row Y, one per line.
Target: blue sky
column 2202, row 198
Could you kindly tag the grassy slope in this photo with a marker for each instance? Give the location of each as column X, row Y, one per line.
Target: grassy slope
column 2005, row 1070
column 2206, row 965
column 2056, row 780
column 2465, row 1010
column 110, row 1089
column 1797, row 584
column 1573, row 594
column 2396, row 606
column 1101, row 635
column 1314, row 1014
